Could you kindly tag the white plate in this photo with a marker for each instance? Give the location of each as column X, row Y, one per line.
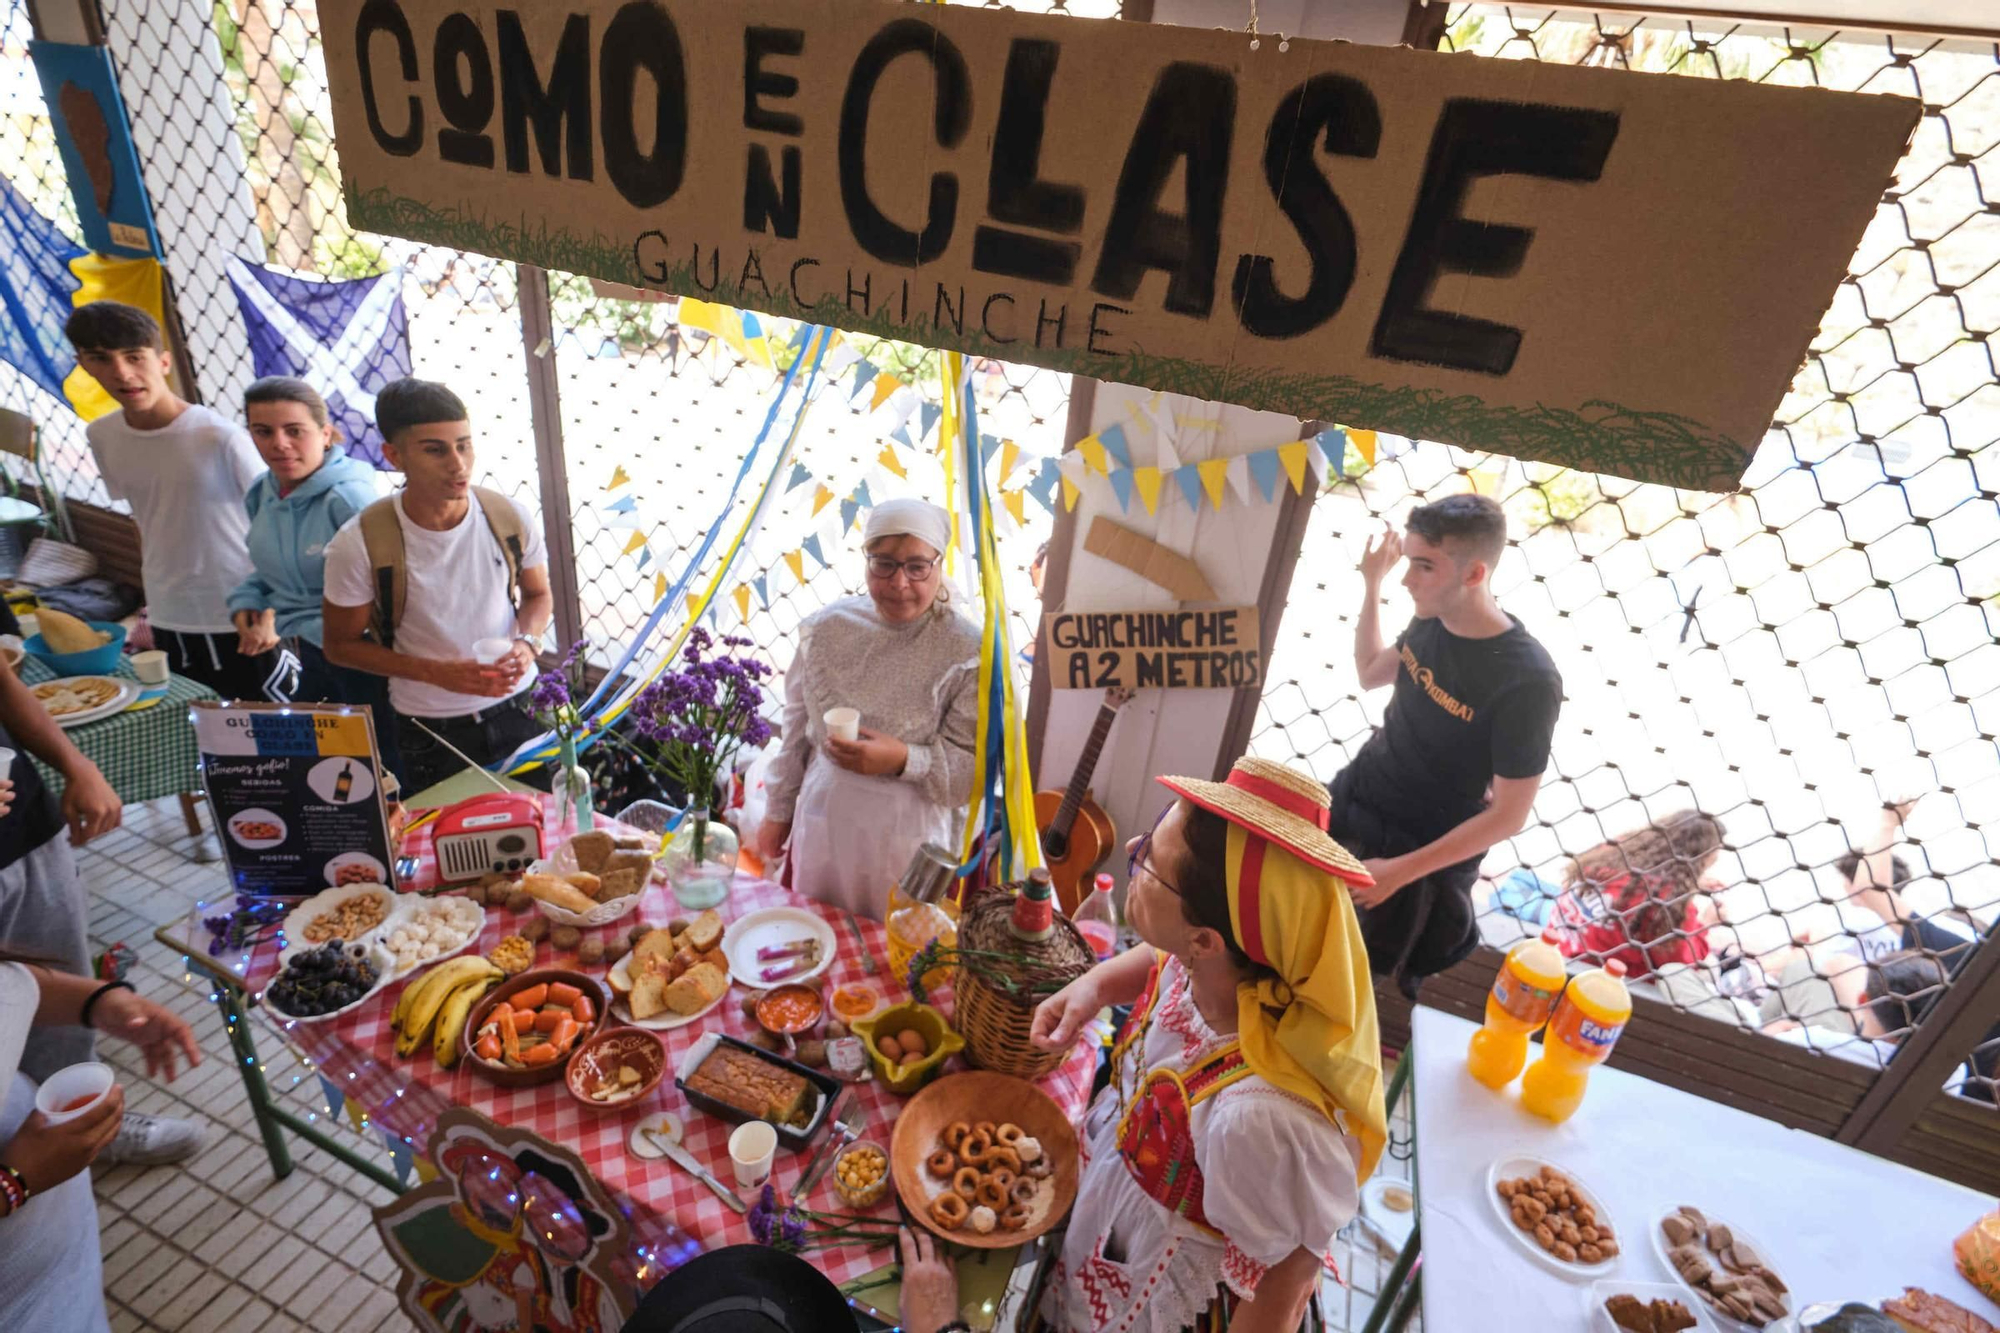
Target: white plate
column 128, row 692
column 622, row 1011
column 324, row 901
column 1717, row 1317
column 385, row 972
column 259, row 816
column 1391, row 1226
column 1514, row 1165
column 1604, row 1289
column 371, row 870
column 407, row 912
column 774, row 925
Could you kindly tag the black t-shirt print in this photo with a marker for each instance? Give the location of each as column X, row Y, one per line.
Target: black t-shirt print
column 1465, row 711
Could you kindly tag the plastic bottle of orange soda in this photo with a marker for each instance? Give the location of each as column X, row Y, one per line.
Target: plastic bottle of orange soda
column 1589, row 1017
column 1523, row 996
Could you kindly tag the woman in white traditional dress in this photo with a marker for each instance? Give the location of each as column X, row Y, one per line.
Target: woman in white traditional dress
column 1245, row 1106
column 853, row 812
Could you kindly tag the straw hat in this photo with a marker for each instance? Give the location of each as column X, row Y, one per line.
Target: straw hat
column 1278, row 802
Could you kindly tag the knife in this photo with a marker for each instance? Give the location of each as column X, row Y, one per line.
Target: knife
column 867, row 954
column 683, row 1159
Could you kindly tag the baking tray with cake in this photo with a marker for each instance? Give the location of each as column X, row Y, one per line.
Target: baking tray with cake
column 737, row 1082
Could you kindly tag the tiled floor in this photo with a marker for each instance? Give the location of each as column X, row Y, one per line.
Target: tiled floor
column 220, row 1246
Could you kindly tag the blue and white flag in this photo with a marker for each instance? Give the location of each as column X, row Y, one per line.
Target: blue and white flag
column 346, row 339
column 35, row 290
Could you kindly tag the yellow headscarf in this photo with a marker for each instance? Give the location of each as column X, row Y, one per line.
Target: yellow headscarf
column 1314, row 1033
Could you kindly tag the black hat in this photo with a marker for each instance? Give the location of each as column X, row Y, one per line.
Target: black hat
column 743, row 1289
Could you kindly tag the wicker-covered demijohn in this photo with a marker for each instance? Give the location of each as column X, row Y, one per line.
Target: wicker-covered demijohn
column 999, row 978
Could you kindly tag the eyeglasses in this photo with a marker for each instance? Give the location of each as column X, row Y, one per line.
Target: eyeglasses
column 916, row 571
column 1137, row 859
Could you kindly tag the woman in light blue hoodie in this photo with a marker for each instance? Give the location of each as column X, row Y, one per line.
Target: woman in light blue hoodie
column 311, row 491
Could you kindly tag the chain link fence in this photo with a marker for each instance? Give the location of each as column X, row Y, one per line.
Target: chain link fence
column 1791, row 660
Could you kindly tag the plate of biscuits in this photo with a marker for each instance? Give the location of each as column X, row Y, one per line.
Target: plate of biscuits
column 984, row 1160
column 592, row 879
column 674, row 974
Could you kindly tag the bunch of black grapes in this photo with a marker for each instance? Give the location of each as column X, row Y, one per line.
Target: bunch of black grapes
column 322, row 980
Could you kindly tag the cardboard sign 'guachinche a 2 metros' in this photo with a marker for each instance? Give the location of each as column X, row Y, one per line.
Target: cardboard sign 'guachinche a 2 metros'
column 1613, row 271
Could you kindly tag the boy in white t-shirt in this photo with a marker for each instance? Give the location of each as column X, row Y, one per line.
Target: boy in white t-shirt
column 184, row 470
column 415, row 581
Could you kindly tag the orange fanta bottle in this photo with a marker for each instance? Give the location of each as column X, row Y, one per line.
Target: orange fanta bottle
column 1523, row 996
column 1591, row 1014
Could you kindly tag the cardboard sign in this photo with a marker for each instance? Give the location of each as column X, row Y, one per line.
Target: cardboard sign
column 296, row 794
column 88, row 115
column 1215, row 648
column 1613, row 271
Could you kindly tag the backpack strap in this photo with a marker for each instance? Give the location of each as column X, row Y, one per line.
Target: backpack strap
column 382, row 538
column 505, row 522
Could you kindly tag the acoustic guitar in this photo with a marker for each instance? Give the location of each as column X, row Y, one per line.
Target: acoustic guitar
column 1076, row 833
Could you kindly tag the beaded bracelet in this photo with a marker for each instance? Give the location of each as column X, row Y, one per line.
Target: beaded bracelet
column 99, row 994
column 13, row 1190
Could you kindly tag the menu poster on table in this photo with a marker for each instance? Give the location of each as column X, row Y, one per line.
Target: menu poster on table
column 296, row 794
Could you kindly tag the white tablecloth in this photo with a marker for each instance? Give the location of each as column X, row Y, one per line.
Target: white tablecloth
column 1839, row 1224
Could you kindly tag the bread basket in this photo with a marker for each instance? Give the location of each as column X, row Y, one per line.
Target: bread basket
column 563, row 862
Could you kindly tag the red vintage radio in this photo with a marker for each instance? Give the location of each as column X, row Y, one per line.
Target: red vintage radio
column 500, row 833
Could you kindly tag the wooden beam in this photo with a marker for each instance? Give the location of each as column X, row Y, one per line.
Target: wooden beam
column 1055, row 576
column 551, row 467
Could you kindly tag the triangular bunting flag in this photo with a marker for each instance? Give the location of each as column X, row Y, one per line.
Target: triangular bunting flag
column 988, row 446
column 754, row 340
column 624, row 504
column 800, row 476
column 1148, row 481
column 822, row 497
column 701, row 315
column 811, row 547
column 762, row 583
column 862, row 497
column 645, row 558
column 1333, row 443
column 1113, row 440
column 927, row 419
column 1264, row 470
column 885, row 386
column 618, row 478
column 694, row 606
column 1016, row 506
column 901, row 435
column 1316, row 460
column 742, row 595
column 838, row 358
column 797, row 560
column 848, row 509
column 799, row 336
column 1163, row 447
column 1044, row 485
column 335, row 1098
column 1070, row 492
column 1364, row 440
column 1238, row 473
column 887, row 458
column 659, row 586
column 400, row 1156
column 637, row 540
column 1010, row 454
column 1093, row 453
column 864, row 375
column 1214, row 472
column 1189, row 480
column 1293, row 456
column 1121, row 486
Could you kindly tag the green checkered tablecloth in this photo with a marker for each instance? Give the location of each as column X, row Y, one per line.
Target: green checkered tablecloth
column 143, row 753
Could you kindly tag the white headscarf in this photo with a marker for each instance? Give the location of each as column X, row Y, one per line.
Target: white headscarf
column 908, row 518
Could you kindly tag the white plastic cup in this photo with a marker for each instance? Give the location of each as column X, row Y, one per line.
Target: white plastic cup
column 150, row 667
column 7, row 757
column 843, row 723
column 90, row 1079
column 488, row 651
column 752, row 1145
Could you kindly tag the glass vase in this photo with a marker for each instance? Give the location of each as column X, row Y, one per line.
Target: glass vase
column 701, row 860
column 570, row 785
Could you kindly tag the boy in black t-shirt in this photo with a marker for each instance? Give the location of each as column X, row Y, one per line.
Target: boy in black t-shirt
column 1459, row 757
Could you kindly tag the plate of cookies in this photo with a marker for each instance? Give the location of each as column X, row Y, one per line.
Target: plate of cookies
column 1554, row 1217
column 592, row 879
column 984, row 1160
column 674, row 974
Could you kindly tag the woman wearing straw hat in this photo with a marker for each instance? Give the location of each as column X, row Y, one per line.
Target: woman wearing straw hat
column 1245, row 1106
column 853, row 810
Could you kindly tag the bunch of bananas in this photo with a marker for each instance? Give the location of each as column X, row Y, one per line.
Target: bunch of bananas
column 437, row 1004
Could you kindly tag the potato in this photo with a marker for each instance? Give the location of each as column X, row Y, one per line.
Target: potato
column 749, row 1004
column 566, row 937
column 835, row 1029
column 892, row 1050
column 813, row 1052
column 913, row 1044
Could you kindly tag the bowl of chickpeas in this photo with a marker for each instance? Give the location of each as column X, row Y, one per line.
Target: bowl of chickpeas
column 861, row 1174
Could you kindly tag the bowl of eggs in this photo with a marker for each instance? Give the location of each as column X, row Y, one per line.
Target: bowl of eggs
column 908, row 1043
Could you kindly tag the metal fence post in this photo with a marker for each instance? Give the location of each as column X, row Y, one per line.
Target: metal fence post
column 551, row 467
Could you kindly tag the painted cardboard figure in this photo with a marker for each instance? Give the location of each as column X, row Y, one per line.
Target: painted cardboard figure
column 514, row 1234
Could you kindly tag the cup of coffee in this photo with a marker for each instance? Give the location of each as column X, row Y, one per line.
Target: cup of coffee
column 488, row 651
column 843, row 723
column 150, row 667
column 74, row 1089
column 752, row 1145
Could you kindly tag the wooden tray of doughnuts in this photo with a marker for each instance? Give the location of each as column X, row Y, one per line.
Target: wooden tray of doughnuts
column 968, row 1099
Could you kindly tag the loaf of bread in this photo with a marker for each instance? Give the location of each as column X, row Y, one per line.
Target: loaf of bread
column 704, row 932
column 592, row 850
column 619, row 884
column 697, row 988
column 754, row 1086
column 549, row 889
column 639, row 863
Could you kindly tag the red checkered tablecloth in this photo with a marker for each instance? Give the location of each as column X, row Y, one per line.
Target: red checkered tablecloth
column 405, row 1096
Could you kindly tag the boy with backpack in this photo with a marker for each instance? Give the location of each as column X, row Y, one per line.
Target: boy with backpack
column 184, row 470
column 413, row 582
